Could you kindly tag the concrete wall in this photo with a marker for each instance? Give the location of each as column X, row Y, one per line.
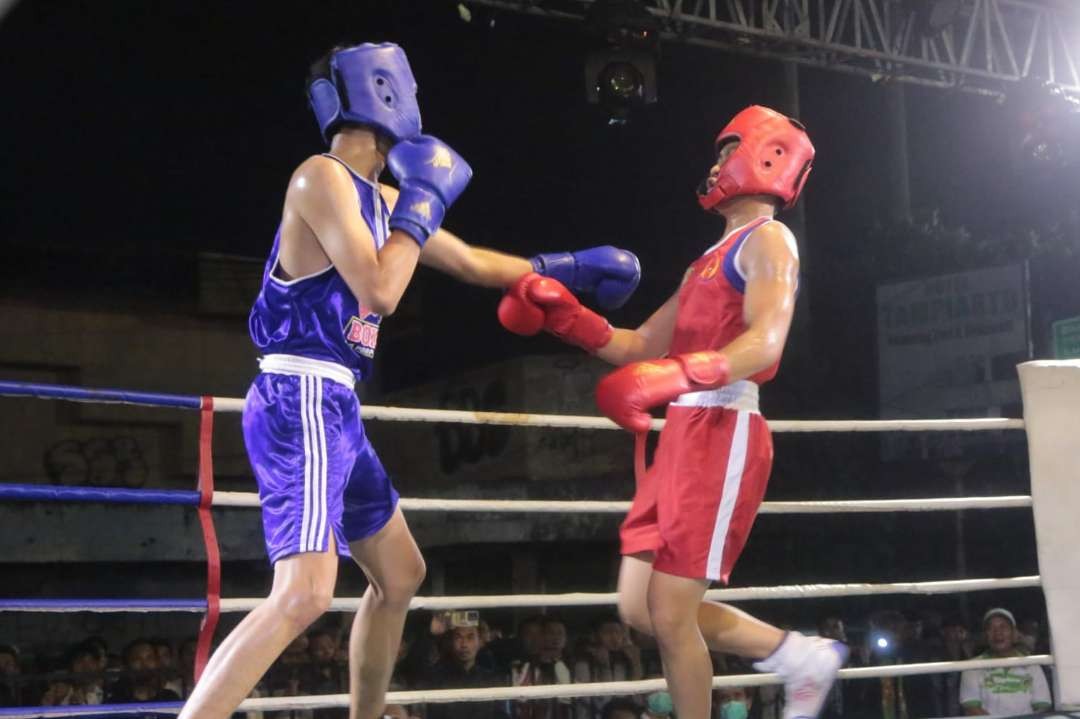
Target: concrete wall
column 72, row 444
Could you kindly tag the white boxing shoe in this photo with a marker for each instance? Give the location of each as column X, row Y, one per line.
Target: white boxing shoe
column 808, row 666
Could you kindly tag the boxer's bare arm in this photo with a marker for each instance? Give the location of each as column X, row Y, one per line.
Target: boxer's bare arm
column 446, row 252
column 480, row 266
column 649, row 341
column 772, row 275
column 323, row 196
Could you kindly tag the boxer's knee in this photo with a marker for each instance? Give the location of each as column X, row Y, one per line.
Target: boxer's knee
column 634, row 612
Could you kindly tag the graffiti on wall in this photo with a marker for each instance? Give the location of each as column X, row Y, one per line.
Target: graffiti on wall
column 461, row 444
column 97, row 462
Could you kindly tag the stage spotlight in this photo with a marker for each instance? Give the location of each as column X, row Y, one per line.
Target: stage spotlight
column 1049, row 121
column 620, row 73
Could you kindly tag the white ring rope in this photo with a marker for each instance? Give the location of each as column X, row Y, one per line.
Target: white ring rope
column 937, row 504
column 580, row 598
column 592, row 689
column 525, row 419
column 731, row 594
column 588, row 599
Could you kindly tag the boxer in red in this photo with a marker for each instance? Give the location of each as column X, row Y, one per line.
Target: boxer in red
column 703, row 354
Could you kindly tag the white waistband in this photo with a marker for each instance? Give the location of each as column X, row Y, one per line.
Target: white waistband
column 296, row 365
column 741, row 395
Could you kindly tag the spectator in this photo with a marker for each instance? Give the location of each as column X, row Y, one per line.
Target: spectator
column 488, row 633
column 167, row 666
column 607, row 655
column 100, row 648
column 61, row 691
column 323, row 674
column 506, row 654
column 459, row 669
column 733, row 702
column 530, row 637
column 1003, row 692
column 892, row 640
column 9, row 675
column 955, row 647
column 425, row 651
column 547, row 668
column 1029, row 637
column 956, row 641
column 553, row 643
column 187, row 666
column 658, row 705
column 832, row 627
column 286, row 676
column 86, row 663
column 490, row 638
column 79, row 679
column 921, row 643
column 619, row 709
column 142, row 680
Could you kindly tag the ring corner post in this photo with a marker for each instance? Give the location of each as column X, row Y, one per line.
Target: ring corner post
column 1051, row 394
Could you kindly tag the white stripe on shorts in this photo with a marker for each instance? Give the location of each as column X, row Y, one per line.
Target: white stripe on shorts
column 732, row 481
column 313, row 523
column 320, row 541
column 304, row 425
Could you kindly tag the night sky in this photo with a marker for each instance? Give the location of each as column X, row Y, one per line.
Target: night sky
column 138, row 132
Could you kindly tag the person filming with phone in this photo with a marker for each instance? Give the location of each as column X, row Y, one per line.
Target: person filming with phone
column 459, row 636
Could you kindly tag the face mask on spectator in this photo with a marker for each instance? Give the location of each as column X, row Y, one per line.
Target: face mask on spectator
column 733, row 710
column 659, row 704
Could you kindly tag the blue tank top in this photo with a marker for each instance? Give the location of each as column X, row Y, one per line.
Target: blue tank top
column 318, row 316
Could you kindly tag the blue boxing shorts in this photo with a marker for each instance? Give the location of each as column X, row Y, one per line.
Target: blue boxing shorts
column 316, row 470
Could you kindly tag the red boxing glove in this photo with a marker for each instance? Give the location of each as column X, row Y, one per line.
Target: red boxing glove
column 626, row 395
column 562, row 314
column 517, row 312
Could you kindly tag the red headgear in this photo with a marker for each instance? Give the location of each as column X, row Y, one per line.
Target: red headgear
column 773, row 158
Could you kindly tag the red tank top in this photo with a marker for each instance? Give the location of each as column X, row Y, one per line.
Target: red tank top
column 710, row 313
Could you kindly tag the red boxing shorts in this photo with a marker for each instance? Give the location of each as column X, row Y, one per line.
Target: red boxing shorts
column 697, row 502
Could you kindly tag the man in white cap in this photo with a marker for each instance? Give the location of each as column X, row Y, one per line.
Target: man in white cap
column 1008, row 691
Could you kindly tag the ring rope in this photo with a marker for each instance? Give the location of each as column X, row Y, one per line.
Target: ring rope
column 404, row 414
column 121, row 495
column 525, row 419
column 502, row 601
column 416, row 504
column 546, row 691
column 204, row 500
column 206, row 522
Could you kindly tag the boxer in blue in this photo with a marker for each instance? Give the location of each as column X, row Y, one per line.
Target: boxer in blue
column 343, row 255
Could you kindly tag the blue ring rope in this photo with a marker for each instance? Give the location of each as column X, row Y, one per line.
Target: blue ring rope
column 119, row 605
column 83, row 394
column 110, row 495
column 165, row 709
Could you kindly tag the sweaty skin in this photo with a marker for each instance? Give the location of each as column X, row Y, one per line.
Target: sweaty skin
column 321, row 226
column 661, row 604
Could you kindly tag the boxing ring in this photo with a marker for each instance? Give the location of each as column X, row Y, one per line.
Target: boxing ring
column 1051, row 393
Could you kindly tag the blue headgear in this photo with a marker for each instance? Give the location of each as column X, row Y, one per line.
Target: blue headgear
column 371, row 85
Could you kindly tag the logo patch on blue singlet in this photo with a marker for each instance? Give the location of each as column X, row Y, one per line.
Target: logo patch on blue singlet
column 363, row 334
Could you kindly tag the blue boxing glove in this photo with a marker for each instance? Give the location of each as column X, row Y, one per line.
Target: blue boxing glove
column 430, row 176
column 608, row 272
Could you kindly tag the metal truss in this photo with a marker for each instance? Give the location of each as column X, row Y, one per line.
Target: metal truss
column 981, row 46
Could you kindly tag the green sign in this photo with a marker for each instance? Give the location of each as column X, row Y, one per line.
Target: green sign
column 1067, row 338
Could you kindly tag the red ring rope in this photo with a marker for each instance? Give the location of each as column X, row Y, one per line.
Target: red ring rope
column 206, row 519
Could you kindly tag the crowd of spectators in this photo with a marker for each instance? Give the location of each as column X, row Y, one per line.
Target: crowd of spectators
column 460, row 649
